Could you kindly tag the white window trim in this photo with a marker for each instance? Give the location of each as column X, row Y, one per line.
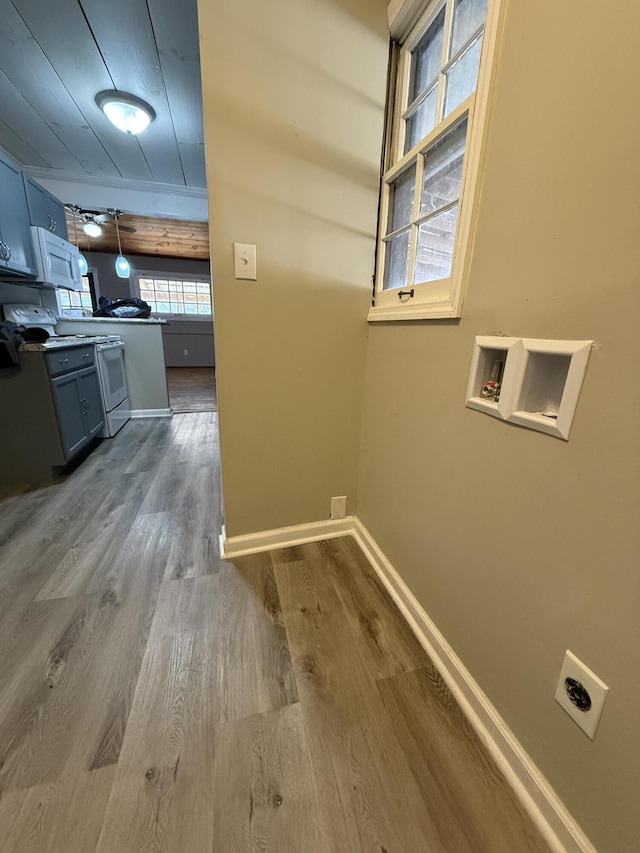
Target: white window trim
column 175, row 276
column 442, row 299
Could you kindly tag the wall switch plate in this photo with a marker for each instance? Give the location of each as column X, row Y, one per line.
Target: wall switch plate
column 581, row 694
column 185, row 352
column 339, row 507
column 244, row 261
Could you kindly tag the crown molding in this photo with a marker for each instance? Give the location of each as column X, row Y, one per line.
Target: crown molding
column 46, row 174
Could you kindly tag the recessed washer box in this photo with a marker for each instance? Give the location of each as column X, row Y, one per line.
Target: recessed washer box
column 541, row 381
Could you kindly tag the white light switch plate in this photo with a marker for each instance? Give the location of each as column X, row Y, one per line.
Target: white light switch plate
column 573, row 667
column 244, row 261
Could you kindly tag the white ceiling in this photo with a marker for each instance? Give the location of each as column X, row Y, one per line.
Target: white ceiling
column 55, row 56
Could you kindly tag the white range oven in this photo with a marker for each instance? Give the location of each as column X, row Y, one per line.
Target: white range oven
column 113, row 383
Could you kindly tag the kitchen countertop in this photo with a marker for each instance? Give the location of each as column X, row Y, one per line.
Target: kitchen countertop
column 150, row 321
column 59, row 343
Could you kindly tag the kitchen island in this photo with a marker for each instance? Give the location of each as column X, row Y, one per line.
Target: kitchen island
column 144, row 358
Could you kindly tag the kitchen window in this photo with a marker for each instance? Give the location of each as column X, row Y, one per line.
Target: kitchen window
column 441, row 69
column 73, row 301
column 175, row 296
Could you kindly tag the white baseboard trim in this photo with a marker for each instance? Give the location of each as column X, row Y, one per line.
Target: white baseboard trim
column 152, row 413
column 284, row 537
column 532, row 789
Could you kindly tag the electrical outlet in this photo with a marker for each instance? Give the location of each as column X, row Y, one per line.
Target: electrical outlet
column 581, row 694
column 339, row 507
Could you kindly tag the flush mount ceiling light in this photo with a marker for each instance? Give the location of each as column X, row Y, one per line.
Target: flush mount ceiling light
column 92, row 229
column 128, row 113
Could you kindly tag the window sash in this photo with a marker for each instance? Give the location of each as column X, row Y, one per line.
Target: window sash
column 442, row 297
column 437, row 289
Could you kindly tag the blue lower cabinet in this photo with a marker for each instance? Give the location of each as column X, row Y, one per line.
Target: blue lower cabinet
column 79, row 408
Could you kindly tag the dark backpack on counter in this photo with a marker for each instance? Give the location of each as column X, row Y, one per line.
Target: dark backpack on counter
column 127, row 308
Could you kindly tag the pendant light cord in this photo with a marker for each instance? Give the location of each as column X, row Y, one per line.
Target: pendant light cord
column 118, row 235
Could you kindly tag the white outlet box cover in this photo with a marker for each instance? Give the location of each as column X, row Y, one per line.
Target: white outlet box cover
column 573, row 667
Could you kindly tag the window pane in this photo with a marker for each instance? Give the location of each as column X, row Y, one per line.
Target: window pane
column 190, row 308
column 64, row 298
column 463, row 76
column 163, row 307
column 442, row 175
column 189, row 287
column 396, row 261
column 401, row 199
column 435, row 247
column 468, row 16
column 426, row 58
column 161, row 286
column 422, row 121
column 203, row 288
column 204, row 309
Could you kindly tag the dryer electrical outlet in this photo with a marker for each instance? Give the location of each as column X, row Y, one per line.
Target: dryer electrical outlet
column 581, row 694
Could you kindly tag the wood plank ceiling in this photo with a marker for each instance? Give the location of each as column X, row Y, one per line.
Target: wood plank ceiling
column 55, row 57
column 170, row 238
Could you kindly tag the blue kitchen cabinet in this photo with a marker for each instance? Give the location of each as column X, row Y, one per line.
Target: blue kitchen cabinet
column 78, row 403
column 16, row 244
column 45, row 210
column 67, row 397
column 52, row 412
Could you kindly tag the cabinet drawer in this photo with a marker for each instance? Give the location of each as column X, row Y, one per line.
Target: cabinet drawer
column 63, row 360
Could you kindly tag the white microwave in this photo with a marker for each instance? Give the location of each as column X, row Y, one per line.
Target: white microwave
column 56, row 260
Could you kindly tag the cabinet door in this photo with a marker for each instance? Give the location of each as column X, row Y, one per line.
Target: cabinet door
column 16, row 245
column 67, row 396
column 37, row 201
column 45, row 210
column 57, row 217
column 92, row 400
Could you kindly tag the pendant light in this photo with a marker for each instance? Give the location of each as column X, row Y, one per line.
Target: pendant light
column 123, row 268
column 82, row 261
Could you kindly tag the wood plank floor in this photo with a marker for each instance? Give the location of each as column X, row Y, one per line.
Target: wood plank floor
column 192, row 389
column 156, row 698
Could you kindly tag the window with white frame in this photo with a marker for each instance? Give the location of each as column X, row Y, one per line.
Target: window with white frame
column 73, row 301
column 188, row 297
column 428, row 183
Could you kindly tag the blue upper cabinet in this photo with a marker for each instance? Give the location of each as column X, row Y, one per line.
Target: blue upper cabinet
column 44, row 209
column 16, row 244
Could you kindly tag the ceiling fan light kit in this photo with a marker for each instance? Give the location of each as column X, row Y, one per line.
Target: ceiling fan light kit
column 128, row 113
column 92, row 229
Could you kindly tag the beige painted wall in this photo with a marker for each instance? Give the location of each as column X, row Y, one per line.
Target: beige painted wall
column 293, row 100
column 520, row 545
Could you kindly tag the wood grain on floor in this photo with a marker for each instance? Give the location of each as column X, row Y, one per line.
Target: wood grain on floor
column 156, row 698
column 192, row 389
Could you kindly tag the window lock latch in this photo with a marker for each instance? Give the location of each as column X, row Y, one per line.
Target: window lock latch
column 402, row 293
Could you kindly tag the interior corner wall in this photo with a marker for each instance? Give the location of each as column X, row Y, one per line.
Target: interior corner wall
column 293, row 108
column 517, row 544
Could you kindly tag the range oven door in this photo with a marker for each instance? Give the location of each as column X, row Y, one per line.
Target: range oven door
column 113, row 379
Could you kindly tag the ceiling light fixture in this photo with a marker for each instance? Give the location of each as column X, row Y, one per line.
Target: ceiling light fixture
column 128, row 113
column 92, row 229
column 123, row 268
